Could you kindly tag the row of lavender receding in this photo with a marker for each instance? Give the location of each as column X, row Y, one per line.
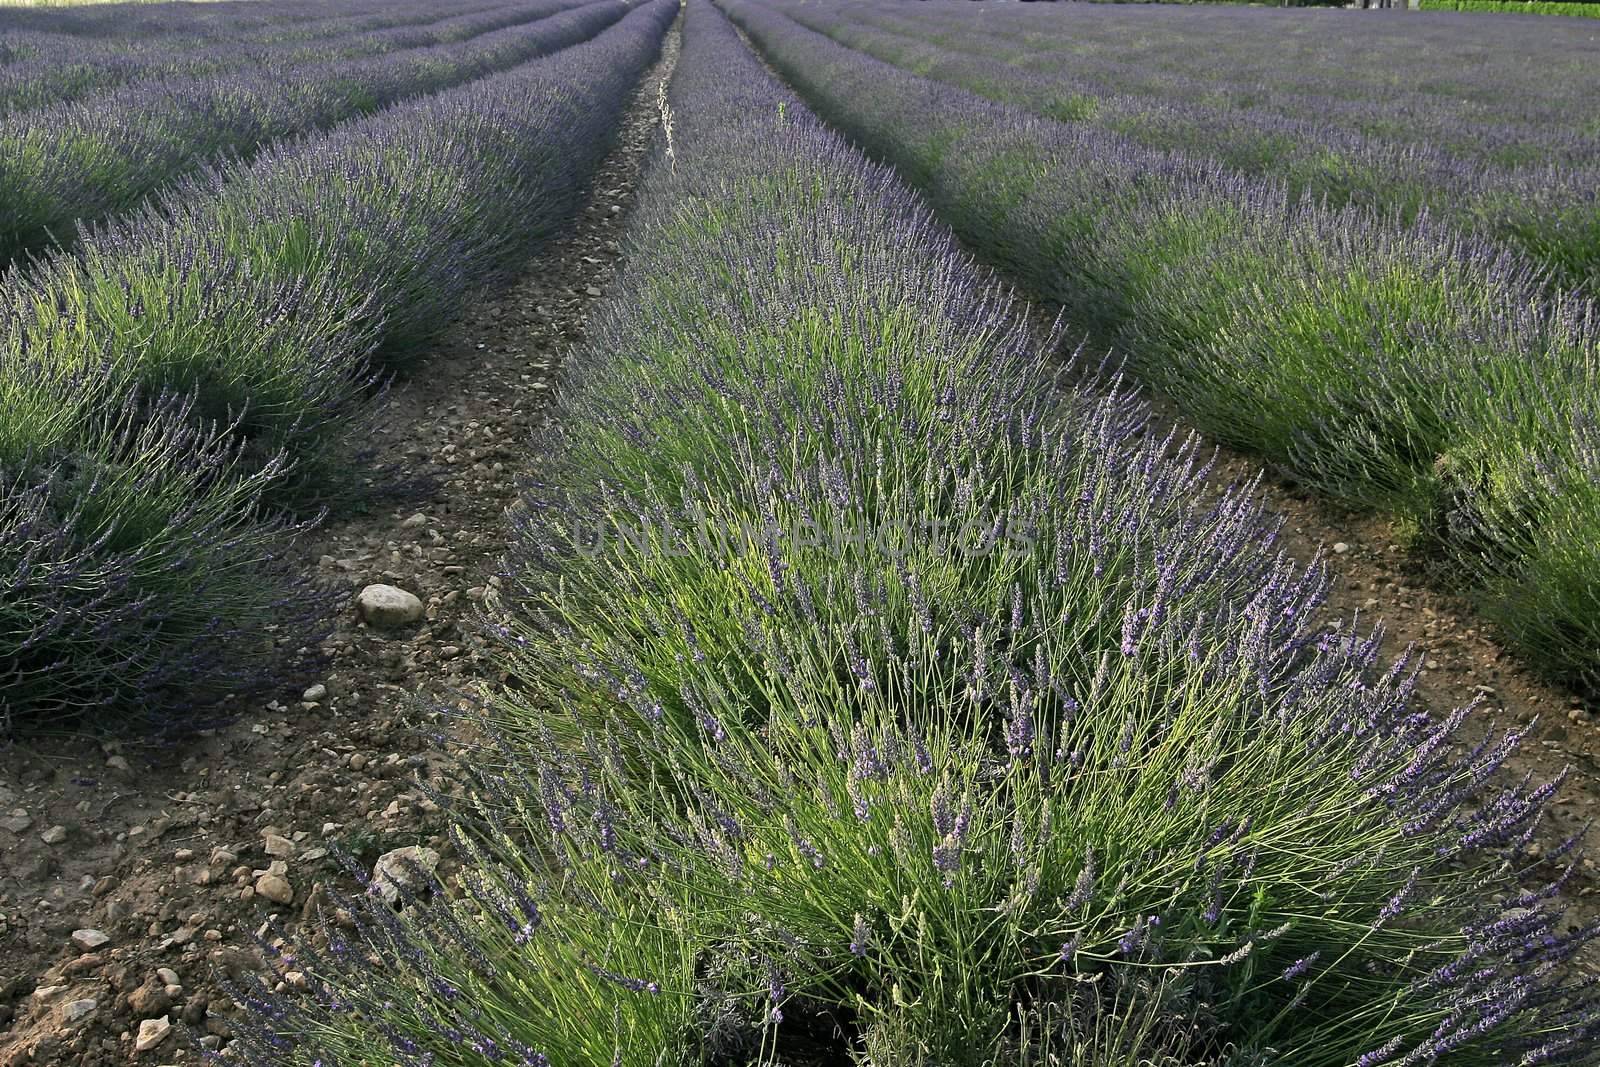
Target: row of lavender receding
column 1408, row 369
column 1523, row 169
column 109, row 20
column 65, row 166
column 1504, row 91
column 980, row 730
column 199, row 366
column 44, row 68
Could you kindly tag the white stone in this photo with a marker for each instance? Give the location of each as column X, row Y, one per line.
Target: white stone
column 395, row 870
column 277, row 845
column 276, row 888
column 89, row 940
column 316, row 692
column 151, row 1033
column 388, row 605
column 79, row 1010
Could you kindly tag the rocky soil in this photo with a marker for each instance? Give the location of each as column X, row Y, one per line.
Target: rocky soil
column 133, row 879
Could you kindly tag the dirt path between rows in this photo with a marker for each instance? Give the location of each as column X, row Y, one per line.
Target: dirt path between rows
column 130, row 879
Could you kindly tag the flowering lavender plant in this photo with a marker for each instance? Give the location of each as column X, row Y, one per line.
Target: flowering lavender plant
column 69, row 163
column 140, row 580
column 1378, row 360
column 1113, row 798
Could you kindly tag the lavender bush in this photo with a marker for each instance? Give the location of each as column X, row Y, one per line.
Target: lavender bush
column 1373, row 360
column 139, row 578
column 77, row 162
column 41, row 68
column 281, row 291
column 1398, row 166
column 139, row 555
column 1079, row 783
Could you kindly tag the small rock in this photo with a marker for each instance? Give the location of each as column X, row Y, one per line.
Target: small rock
column 415, row 522
column 167, row 975
column 119, row 763
column 276, row 888
column 397, row 870
column 54, row 836
column 89, row 940
column 316, row 692
column 151, row 1033
column 46, row 993
column 277, row 845
column 388, row 605
column 1340, row 548
column 17, row 820
column 151, row 999
column 79, row 1010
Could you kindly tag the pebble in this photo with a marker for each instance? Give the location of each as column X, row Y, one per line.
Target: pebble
column 395, row 870
column 276, row 888
column 89, row 940
column 17, row 820
column 416, row 521
column 54, row 836
column 1340, row 548
column 79, row 1009
column 277, row 845
column 388, row 605
column 316, row 692
column 151, row 1033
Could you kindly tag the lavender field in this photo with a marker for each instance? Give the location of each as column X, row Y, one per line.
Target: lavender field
column 891, row 654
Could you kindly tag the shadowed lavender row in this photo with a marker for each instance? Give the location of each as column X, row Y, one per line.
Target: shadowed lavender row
column 1405, row 368
column 264, row 299
column 61, row 166
column 1105, row 795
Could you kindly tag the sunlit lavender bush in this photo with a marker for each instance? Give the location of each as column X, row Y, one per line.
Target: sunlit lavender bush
column 280, row 292
column 1079, row 781
column 1372, row 360
column 43, row 67
column 139, row 553
column 1473, row 133
column 85, row 160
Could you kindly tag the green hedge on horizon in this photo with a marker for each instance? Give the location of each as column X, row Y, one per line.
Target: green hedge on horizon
column 1516, row 7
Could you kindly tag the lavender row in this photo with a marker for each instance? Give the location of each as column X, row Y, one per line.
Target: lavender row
column 73, row 163
column 1402, row 368
column 194, row 366
column 100, row 21
column 62, row 68
column 863, row 675
column 1534, row 183
column 1509, row 90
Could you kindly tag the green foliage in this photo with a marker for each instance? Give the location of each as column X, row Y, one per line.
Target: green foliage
column 1515, row 7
